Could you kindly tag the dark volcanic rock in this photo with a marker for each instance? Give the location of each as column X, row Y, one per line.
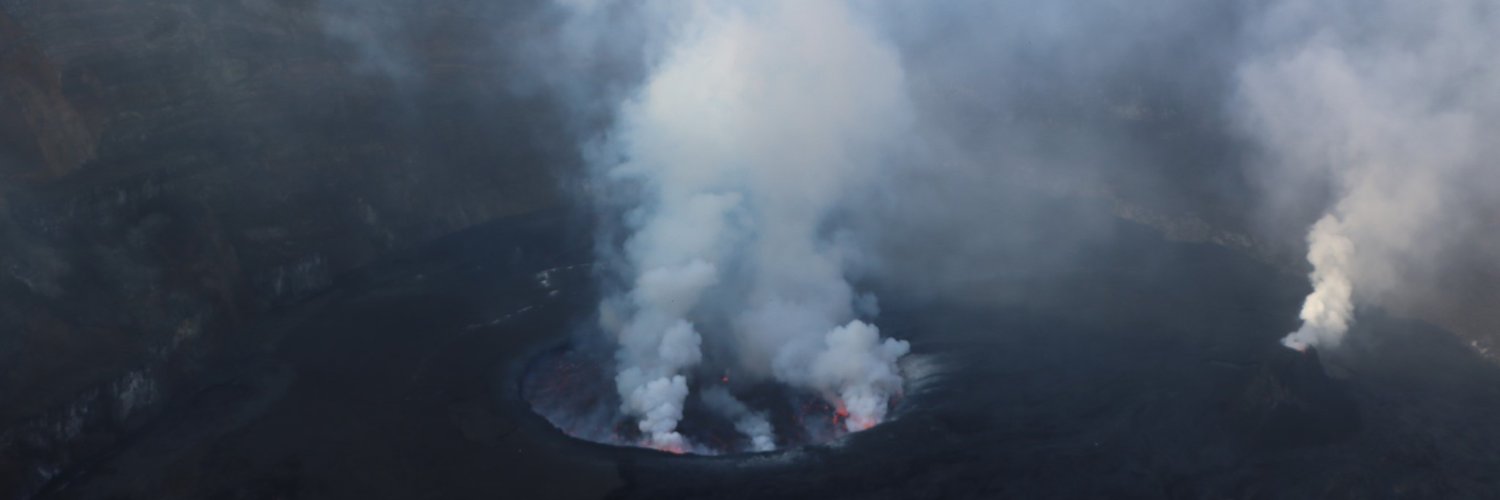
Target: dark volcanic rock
column 171, row 170
column 405, row 379
column 1290, row 400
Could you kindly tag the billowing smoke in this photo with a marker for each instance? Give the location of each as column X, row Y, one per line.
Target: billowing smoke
column 1392, row 104
column 757, row 164
column 1329, row 308
column 754, row 425
column 756, row 122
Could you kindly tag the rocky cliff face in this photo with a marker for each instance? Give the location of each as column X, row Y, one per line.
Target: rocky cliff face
column 170, row 169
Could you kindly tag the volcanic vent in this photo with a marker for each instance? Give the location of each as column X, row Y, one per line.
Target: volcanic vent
column 572, row 387
column 727, row 306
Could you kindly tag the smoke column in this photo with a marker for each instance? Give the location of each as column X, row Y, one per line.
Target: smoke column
column 752, row 424
column 1394, row 105
column 756, row 120
column 1328, row 309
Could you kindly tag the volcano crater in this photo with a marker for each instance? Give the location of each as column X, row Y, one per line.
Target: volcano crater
column 571, row 386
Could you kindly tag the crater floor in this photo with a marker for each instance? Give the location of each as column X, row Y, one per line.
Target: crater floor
column 1150, row 370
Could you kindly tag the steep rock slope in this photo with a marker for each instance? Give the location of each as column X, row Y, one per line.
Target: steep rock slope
column 172, row 169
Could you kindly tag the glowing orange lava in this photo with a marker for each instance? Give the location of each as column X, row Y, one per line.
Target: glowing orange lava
column 841, row 420
column 674, row 449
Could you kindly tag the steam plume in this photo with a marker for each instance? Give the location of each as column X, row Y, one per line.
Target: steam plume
column 1391, row 101
column 1329, row 308
column 736, row 153
column 752, row 424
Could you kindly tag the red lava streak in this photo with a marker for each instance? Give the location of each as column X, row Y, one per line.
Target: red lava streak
column 673, row 449
column 575, row 393
column 841, row 420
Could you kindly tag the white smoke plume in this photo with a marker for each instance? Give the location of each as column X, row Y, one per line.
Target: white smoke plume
column 752, row 424
column 863, row 368
column 755, row 123
column 1330, row 307
column 1392, row 104
column 760, row 128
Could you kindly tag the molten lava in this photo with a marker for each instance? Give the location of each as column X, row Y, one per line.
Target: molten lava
column 675, row 449
column 572, row 390
column 841, row 420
